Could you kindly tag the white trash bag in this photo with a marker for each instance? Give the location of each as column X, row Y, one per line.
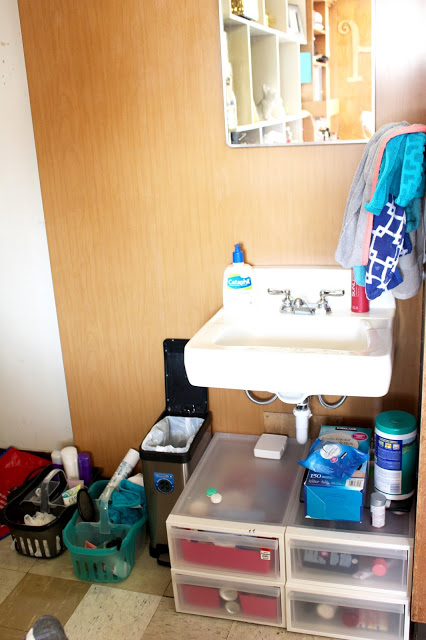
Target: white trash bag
column 172, row 434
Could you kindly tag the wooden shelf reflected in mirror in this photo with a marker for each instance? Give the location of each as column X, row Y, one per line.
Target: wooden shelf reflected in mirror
column 301, row 72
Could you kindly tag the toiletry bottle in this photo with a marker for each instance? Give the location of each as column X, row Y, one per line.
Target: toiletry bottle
column 57, row 462
column 238, row 283
column 359, row 300
column 85, row 468
column 70, row 462
column 377, row 509
column 123, row 470
column 379, row 566
column 57, row 459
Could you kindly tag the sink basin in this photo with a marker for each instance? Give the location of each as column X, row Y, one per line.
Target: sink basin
column 340, row 353
column 298, row 332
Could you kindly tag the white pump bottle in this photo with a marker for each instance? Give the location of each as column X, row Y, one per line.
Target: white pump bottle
column 238, row 284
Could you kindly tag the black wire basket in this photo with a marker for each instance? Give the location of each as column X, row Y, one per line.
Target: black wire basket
column 41, row 493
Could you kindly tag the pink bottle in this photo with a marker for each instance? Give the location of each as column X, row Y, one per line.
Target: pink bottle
column 360, row 302
column 379, row 567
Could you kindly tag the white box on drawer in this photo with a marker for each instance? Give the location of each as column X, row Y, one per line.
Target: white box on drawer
column 270, row 445
column 257, row 556
column 341, row 613
column 337, row 558
column 236, row 599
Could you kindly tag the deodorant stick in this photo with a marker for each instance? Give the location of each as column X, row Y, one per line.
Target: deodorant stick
column 70, row 462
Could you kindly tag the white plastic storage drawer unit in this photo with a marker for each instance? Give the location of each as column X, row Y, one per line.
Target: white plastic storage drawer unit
column 362, row 562
column 225, row 598
column 341, row 614
column 227, row 553
column 241, row 535
column 352, row 555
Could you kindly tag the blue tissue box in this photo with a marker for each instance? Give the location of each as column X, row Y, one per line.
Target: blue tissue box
column 329, row 498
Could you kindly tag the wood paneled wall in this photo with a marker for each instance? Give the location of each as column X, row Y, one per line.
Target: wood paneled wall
column 143, row 200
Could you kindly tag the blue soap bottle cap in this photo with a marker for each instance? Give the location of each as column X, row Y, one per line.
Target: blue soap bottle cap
column 237, row 256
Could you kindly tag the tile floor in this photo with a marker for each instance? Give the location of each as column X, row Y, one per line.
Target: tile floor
column 141, row 607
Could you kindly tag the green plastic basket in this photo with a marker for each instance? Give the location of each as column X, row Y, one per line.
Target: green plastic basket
column 103, row 565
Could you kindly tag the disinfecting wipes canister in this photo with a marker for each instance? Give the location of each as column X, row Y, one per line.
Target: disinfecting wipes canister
column 395, row 454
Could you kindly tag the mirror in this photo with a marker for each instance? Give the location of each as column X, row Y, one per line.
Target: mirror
column 297, row 71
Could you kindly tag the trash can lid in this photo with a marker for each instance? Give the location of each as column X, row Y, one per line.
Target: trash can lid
column 182, row 398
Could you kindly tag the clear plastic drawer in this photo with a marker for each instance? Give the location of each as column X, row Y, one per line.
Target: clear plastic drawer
column 233, row 599
column 346, row 616
column 228, row 553
column 350, row 565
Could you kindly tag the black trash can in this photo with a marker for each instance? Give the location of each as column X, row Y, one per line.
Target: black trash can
column 165, row 473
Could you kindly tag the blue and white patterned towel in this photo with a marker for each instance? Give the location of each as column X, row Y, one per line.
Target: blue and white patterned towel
column 389, row 241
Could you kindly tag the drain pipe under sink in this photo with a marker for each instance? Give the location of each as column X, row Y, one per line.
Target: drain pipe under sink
column 302, row 413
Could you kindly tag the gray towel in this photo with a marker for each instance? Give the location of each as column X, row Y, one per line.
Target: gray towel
column 350, row 245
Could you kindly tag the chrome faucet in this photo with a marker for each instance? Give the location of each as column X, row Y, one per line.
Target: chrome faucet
column 301, row 307
column 322, row 304
column 298, row 306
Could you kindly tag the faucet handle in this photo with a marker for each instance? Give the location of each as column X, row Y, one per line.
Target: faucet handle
column 322, row 304
column 334, row 292
column 277, row 292
column 287, row 301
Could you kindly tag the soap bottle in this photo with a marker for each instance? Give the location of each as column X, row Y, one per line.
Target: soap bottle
column 238, row 283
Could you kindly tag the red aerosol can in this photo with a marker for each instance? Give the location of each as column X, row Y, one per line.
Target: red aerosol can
column 360, row 302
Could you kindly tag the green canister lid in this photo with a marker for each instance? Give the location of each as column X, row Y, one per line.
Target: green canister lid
column 396, row 423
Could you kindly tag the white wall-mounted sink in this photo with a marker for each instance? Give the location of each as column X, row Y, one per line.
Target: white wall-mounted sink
column 340, row 353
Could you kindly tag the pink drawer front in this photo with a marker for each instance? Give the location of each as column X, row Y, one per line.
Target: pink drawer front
column 201, row 596
column 250, row 560
column 233, row 553
column 259, row 606
column 237, row 600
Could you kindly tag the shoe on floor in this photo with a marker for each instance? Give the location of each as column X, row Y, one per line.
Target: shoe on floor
column 46, row 628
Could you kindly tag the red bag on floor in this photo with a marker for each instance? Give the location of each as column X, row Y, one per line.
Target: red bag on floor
column 15, row 466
